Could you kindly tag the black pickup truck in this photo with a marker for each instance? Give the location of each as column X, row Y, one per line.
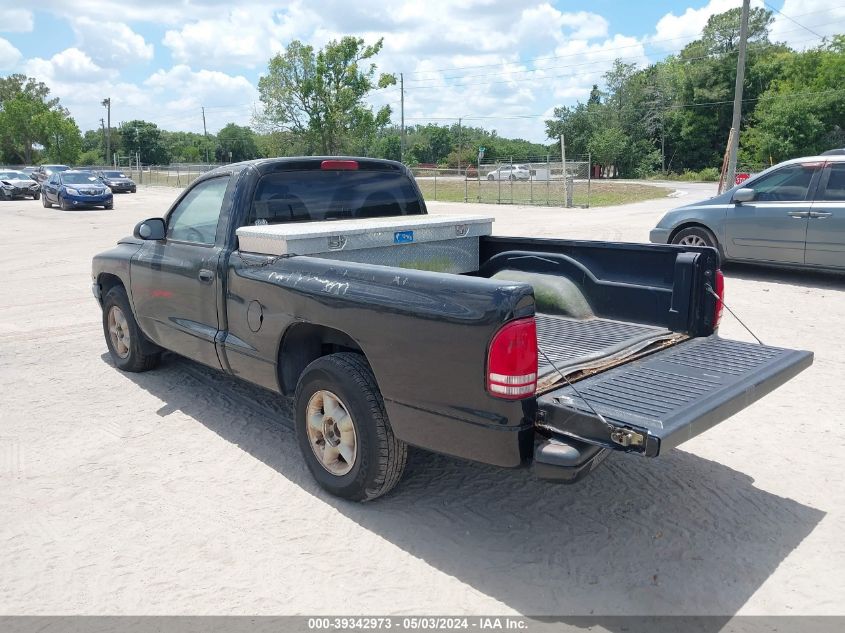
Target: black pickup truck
column 552, row 353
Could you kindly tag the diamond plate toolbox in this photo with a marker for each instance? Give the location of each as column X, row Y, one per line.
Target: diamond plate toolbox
column 441, row 243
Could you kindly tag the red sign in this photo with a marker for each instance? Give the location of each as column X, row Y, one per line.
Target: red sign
column 741, row 178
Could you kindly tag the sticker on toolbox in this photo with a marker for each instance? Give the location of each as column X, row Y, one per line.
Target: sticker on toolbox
column 403, row 237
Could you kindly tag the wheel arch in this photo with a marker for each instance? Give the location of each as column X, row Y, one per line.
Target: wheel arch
column 689, row 224
column 107, row 281
column 303, row 343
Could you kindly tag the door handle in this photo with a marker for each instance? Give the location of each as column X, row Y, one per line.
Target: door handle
column 205, row 275
column 820, row 214
column 799, row 214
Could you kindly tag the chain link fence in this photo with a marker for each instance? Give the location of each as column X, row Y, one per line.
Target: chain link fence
column 529, row 181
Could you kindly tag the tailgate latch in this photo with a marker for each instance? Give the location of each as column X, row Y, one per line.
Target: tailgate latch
column 627, row 437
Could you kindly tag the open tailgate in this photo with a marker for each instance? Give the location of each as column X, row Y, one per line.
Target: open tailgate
column 657, row 402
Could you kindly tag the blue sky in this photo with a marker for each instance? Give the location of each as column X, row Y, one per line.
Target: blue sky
column 503, row 65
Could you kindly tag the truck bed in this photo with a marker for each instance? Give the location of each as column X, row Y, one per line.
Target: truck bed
column 578, row 345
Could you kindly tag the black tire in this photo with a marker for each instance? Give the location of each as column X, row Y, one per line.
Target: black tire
column 36, row 195
column 380, row 457
column 138, row 358
column 64, row 206
column 695, row 236
column 134, row 190
column 45, row 204
column 108, row 206
column 490, row 177
column 511, row 177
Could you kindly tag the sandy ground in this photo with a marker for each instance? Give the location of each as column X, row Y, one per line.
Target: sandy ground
column 181, row 491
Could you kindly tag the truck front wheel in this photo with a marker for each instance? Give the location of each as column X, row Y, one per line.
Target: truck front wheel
column 123, row 336
column 343, row 430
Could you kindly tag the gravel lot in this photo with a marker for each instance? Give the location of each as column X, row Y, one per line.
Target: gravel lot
column 181, row 491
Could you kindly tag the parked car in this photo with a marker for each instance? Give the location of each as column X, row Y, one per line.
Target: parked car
column 16, row 184
column 510, row 172
column 834, row 152
column 117, row 181
column 792, row 214
column 30, row 172
column 73, row 189
column 476, row 363
column 44, row 172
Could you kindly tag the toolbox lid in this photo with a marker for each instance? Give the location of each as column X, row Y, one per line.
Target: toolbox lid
column 314, row 237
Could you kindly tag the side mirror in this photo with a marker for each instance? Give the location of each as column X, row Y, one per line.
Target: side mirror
column 152, row 229
column 744, row 195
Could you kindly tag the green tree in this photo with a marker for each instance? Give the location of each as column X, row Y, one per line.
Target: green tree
column 319, row 96
column 29, row 117
column 62, row 140
column 236, row 143
column 146, row 138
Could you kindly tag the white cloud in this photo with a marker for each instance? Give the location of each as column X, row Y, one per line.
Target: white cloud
column 16, row 20
column 180, row 93
column 69, row 66
column 673, row 32
column 111, row 44
column 813, row 17
column 244, row 37
column 9, row 55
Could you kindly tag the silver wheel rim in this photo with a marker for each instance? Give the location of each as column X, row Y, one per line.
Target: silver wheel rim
column 692, row 240
column 331, row 433
column 119, row 332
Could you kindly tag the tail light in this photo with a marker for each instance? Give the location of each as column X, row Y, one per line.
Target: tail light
column 719, row 288
column 512, row 360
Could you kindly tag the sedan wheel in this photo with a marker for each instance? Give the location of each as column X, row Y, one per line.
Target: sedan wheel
column 695, row 236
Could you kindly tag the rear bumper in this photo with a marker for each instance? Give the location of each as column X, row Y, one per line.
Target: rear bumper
column 659, row 236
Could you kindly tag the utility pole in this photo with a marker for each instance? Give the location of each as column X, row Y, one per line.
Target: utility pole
column 730, row 178
column 205, row 134
column 460, row 145
column 402, row 110
column 107, row 106
column 103, row 126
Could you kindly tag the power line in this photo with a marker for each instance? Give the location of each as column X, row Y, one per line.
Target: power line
column 792, row 20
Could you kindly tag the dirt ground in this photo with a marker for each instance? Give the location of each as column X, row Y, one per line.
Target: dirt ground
column 181, row 491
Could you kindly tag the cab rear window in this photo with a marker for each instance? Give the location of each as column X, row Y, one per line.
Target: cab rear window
column 317, row 195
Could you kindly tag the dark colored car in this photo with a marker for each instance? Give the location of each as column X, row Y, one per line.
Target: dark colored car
column 75, row 189
column 44, row 172
column 16, row 184
column 791, row 215
column 117, row 181
column 478, row 363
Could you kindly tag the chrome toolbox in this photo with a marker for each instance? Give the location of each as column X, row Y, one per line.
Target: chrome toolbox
column 441, row 243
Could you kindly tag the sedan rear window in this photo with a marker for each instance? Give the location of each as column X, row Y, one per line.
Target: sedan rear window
column 312, row 196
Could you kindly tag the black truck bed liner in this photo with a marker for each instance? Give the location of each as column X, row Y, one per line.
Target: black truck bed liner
column 575, row 344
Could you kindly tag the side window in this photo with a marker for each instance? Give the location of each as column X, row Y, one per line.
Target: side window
column 789, row 184
column 195, row 217
column 834, row 189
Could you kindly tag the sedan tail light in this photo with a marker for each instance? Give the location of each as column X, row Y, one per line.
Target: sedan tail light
column 512, row 360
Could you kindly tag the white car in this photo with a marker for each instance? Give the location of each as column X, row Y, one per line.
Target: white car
column 510, row 172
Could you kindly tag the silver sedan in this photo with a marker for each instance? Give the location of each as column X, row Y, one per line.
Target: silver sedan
column 792, row 214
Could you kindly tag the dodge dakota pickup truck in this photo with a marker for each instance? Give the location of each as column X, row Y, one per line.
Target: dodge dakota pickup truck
column 548, row 353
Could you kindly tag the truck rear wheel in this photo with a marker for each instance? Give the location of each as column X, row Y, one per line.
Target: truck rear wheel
column 123, row 336
column 343, row 430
